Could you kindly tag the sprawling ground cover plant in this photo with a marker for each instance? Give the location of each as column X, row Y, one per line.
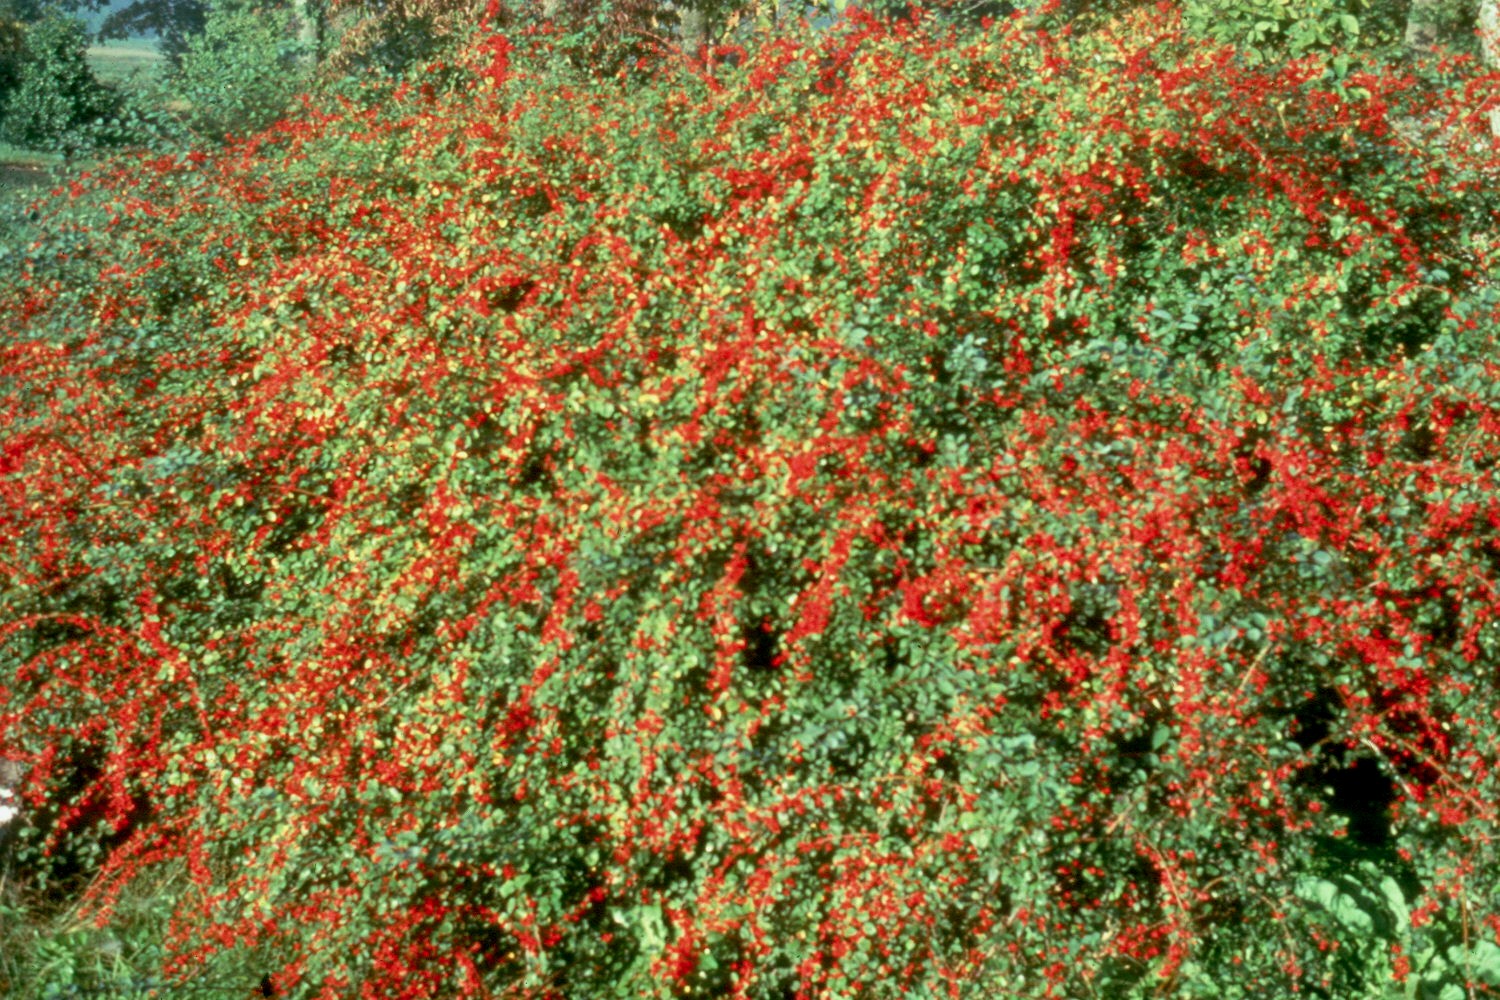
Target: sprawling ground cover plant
column 1001, row 517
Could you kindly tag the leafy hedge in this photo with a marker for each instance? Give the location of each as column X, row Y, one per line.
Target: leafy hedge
column 1001, row 516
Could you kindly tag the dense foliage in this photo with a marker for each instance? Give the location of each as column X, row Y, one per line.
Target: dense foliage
column 1005, row 516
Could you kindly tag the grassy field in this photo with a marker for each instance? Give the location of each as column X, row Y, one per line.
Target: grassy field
column 24, row 174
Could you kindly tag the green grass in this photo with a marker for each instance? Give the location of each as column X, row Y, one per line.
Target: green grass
column 17, row 156
column 47, row 952
column 24, row 176
column 21, row 184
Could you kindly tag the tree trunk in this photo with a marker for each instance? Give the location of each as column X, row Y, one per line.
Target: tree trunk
column 694, row 22
column 1489, row 45
column 309, row 32
column 1424, row 26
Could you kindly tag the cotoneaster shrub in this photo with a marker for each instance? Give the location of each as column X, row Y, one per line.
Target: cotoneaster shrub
column 1006, row 516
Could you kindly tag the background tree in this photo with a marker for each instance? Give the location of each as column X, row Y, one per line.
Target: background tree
column 173, row 21
column 388, row 37
column 58, row 105
column 241, row 73
column 12, row 55
column 24, row 11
